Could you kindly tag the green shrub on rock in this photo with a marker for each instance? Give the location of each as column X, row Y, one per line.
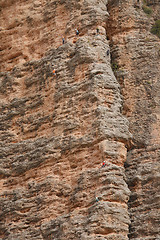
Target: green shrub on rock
column 147, row 10
column 156, row 28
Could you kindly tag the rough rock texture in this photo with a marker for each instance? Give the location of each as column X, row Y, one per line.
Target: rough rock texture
column 57, row 129
column 136, row 60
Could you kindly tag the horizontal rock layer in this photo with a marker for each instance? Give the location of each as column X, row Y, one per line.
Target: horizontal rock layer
column 57, row 129
column 135, row 60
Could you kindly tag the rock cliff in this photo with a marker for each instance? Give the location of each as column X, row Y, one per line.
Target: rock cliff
column 101, row 104
column 136, row 60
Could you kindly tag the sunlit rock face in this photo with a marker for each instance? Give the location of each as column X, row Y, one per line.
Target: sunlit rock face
column 136, row 61
column 65, row 107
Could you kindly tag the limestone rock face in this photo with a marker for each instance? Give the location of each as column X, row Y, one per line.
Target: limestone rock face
column 135, row 53
column 58, row 127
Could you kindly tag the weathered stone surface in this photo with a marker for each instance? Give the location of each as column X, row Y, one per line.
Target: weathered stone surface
column 135, row 59
column 143, row 180
column 56, row 130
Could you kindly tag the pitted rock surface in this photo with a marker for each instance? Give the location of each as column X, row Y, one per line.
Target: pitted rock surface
column 136, row 60
column 57, row 129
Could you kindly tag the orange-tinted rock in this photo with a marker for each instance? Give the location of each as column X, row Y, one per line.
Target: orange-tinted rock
column 136, row 61
column 58, row 127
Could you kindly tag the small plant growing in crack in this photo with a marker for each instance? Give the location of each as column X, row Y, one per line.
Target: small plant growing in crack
column 115, row 66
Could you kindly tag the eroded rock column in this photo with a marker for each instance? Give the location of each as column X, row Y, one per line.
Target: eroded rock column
column 56, row 130
column 135, row 61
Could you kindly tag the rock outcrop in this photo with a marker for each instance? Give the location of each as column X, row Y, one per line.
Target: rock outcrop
column 136, row 60
column 57, row 129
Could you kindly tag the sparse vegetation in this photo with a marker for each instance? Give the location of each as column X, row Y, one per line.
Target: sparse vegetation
column 147, row 10
column 149, row 82
column 114, row 66
column 147, row 39
column 156, row 28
